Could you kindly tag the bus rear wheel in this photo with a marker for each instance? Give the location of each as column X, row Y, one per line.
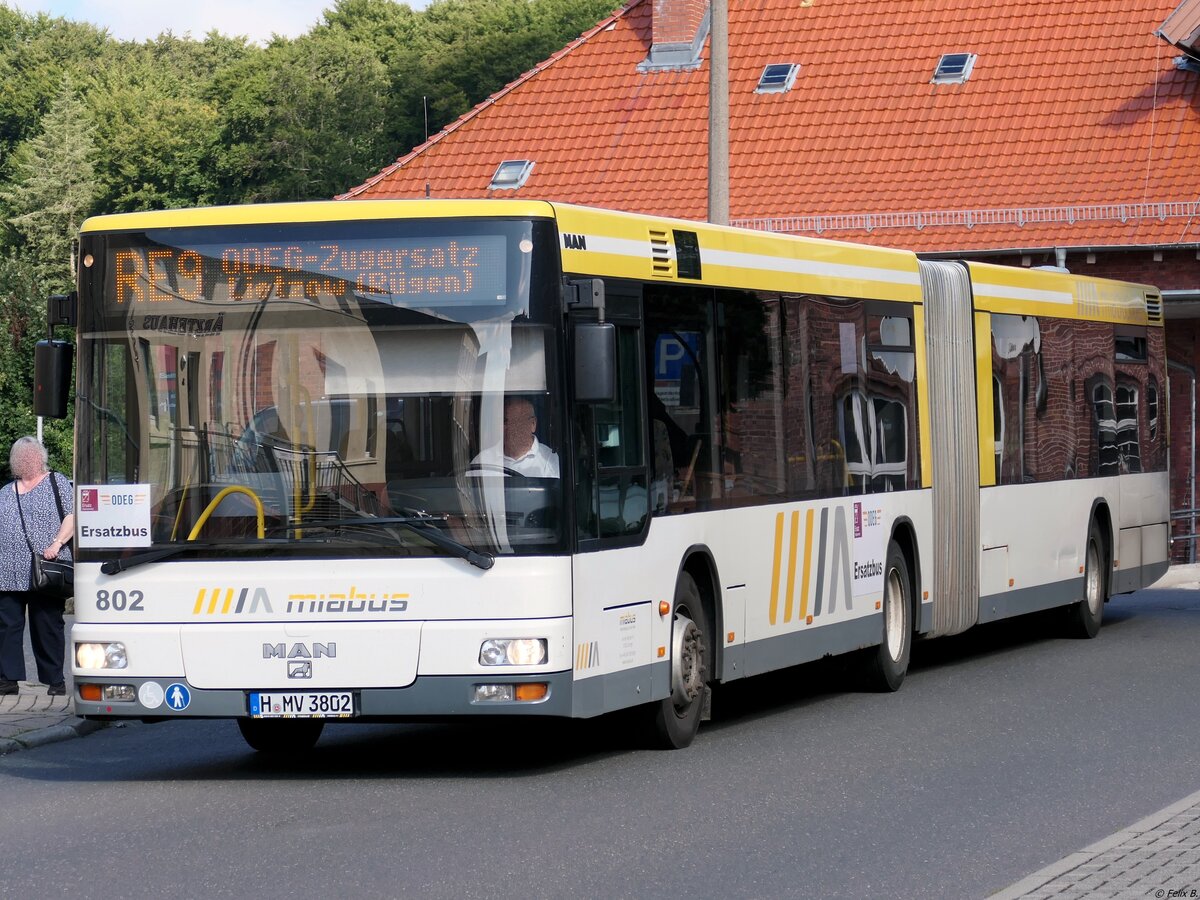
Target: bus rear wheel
column 888, row 664
column 1085, row 616
column 676, row 719
column 276, row 737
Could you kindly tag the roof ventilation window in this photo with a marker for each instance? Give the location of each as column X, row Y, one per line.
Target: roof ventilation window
column 511, row 174
column 1154, row 309
column 662, row 262
column 777, row 78
column 954, row 68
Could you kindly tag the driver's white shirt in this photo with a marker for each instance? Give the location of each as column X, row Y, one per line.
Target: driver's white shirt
column 538, row 462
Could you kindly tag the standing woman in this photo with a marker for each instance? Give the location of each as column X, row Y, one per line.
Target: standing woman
column 30, row 499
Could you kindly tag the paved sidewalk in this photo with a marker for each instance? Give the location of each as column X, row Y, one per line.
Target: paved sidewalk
column 30, row 718
column 1157, row 857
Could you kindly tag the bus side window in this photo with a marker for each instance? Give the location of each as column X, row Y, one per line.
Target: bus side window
column 610, row 457
column 681, row 395
column 750, row 349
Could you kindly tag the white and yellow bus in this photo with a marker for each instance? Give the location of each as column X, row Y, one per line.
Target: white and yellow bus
column 299, row 499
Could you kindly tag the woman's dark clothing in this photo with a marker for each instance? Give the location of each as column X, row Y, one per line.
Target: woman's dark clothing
column 46, row 633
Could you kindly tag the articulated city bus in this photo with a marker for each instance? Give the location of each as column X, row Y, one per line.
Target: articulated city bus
column 374, row 461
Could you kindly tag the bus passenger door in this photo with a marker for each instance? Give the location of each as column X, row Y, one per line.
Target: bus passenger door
column 615, row 613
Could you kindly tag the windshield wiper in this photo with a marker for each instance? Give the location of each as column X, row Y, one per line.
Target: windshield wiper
column 422, row 525
column 122, row 564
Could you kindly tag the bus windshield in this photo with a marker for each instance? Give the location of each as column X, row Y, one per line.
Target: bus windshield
column 302, row 388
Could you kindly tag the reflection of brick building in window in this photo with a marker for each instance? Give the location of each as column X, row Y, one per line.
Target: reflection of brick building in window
column 797, row 414
column 816, row 379
column 264, row 391
column 753, row 412
column 1141, row 439
column 1093, row 366
column 854, row 427
column 1039, row 436
column 1065, row 408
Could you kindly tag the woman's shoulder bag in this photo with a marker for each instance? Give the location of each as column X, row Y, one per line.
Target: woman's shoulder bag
column 52, row 577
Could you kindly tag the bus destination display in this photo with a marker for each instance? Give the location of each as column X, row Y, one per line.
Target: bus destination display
column 419, row 272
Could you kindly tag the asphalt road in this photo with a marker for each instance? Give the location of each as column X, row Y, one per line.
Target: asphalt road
column 1005, row 750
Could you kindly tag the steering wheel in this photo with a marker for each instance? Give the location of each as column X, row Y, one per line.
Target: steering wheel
column 491, row 467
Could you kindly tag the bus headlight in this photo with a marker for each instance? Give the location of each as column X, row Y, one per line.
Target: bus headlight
column 513, row 652
column 101, row 656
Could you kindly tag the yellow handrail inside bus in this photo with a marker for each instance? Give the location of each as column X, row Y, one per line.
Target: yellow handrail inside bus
column 216, row 501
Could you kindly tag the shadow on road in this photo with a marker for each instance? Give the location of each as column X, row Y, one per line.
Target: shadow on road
column 508, row 748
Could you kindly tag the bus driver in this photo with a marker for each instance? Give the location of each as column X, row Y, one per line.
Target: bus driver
column 522, row 452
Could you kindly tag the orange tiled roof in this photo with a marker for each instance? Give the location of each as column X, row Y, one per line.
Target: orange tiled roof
column 1075, row 128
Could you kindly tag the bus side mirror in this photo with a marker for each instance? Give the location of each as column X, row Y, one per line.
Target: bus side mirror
column 52, row 378
column 60, row 310
column 595, row 362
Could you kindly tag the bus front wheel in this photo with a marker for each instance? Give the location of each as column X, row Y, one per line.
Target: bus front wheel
column 676, row 719
column 280, row 736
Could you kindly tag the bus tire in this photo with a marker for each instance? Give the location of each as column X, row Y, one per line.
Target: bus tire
column 276, row 737
column 888, row 664
column 1084, row 617
column 676, row 718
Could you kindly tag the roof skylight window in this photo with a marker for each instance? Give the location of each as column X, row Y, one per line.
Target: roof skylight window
column 954, row 68
column 777, row 78
column 511, row 174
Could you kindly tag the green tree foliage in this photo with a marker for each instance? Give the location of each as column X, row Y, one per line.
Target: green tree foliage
column 52, row 187
column 23, row 317
column 36, row 52
column 302, row 120
column 152, row 104
column 492, row 42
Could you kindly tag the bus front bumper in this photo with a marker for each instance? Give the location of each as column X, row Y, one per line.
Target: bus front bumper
column 429, row 696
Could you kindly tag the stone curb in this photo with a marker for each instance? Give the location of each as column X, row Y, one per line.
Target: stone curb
column 1054, row 870
column 73, row 727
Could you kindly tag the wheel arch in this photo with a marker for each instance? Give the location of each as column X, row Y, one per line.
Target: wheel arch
column 1101, row 516
column 904, row 533
column 698, row 561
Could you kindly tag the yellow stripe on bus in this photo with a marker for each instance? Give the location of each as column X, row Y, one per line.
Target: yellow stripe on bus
column 791, row 576
column 319, row 211
column 984, row 399
column 775, row 567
